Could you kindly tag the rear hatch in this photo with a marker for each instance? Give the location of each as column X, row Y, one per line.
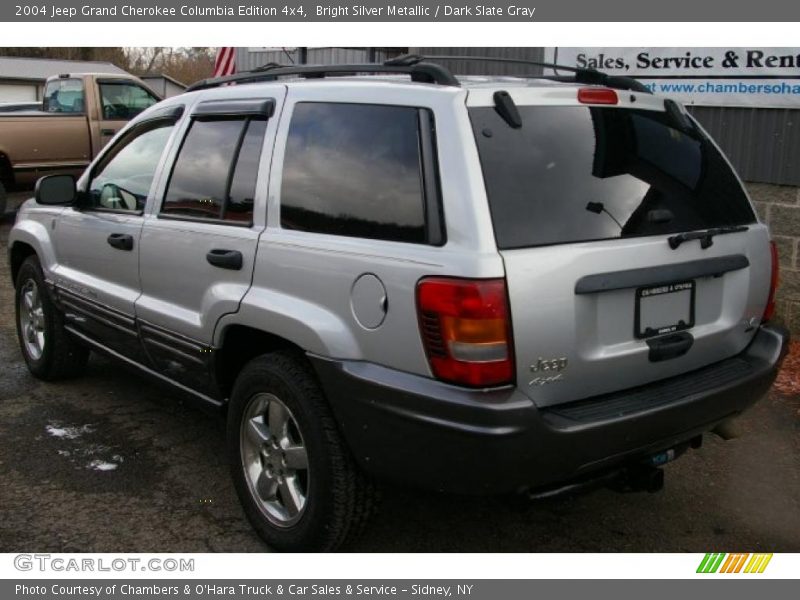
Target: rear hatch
column 588, row 204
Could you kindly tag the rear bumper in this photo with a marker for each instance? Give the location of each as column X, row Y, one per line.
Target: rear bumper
column 416, row 431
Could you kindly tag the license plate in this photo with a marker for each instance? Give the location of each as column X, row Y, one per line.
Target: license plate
column 664, row 309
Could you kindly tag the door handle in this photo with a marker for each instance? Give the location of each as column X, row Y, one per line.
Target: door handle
column 108, row 131
column 121, row 241
column 670, row 346
column 225, row 259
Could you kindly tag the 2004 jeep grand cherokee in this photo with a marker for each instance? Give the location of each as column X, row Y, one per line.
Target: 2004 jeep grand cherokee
column 473, row 285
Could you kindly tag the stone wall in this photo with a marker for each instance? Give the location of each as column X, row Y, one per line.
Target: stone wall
column 779, row 207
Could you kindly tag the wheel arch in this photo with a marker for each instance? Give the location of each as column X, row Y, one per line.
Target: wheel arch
column 269, row 320
column 238, row 345
column 17, row 254
column 29, row 237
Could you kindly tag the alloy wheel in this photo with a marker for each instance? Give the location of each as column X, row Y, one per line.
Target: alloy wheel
column 31, row 319
column 274, row 459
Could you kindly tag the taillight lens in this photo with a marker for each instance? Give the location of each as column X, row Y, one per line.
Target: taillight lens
column 769, row 311
column 597, row 96
column 466, row 330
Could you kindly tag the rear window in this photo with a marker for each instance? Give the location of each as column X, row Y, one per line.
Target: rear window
column 577, row 173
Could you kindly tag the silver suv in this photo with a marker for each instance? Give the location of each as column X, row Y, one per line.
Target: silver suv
column 472, row 285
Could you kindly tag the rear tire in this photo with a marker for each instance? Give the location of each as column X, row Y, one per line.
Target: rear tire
column 48, row 349
column 297, row 482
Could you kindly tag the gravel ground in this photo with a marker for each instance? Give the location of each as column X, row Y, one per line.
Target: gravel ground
column 112, row 463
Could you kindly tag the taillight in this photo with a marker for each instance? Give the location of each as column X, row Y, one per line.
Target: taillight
column 597, row 96
column 466, row 330
column 769, row 311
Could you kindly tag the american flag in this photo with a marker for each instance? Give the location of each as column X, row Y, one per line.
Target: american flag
column 225, row 64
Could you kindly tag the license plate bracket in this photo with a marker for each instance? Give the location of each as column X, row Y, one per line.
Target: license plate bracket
column 664, row 308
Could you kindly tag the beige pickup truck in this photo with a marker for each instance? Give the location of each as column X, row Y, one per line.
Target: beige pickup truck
column 79, row 114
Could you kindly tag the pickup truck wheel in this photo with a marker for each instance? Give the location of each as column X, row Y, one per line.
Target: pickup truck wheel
column 3, row 200
column 297, row 482
column 47, row 347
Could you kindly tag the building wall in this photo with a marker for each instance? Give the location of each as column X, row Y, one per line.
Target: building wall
column 779, row 207
column 18, row 92
column 163, row 86
column 247, row 60
column 467, row 65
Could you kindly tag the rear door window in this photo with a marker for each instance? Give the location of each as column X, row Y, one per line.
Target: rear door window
column 215, row 174
column 577, row 173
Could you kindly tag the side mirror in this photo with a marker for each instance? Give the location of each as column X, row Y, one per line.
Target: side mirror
column 56, row 190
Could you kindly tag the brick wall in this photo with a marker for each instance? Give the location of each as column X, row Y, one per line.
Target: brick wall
column 779, row 207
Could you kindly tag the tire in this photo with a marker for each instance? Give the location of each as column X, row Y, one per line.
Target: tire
column 3, row 201
column 48, row 349
column 332, row 498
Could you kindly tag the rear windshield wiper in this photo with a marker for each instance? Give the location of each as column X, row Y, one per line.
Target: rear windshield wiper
column 706, row 237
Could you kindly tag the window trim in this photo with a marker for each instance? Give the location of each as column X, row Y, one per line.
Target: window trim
column 256, row 108
column 429, row 176
column 431, row 182
column 148, row 124
column 188, row 219
column 206, row 117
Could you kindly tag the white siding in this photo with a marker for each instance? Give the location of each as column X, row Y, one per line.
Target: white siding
column 14, row 92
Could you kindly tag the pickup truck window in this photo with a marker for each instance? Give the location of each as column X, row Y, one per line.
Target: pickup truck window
column 121, row 181
column 215, row 173
column 354, row 170
column 123, row 101
column 64, row 96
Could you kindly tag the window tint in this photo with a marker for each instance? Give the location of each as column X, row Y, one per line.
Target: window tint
column 123, row 101
column 215, row 174
column 121, row 181
column 587, row 173
column 243, row 183
column 64, row 96
column 354, row 170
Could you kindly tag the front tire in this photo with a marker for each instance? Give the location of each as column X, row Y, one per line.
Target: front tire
column 48, row 349
column 297, row 482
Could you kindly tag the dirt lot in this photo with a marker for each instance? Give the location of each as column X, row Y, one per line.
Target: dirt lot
column 111, row 463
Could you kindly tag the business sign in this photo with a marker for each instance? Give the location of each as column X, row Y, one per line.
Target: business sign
column 763, row 77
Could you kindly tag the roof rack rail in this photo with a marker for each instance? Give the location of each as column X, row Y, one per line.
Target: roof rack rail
column 419, row 70
column 580, row 75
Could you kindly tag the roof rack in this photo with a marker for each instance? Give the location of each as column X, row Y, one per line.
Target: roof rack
column 579, row 74
column 419, row 70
